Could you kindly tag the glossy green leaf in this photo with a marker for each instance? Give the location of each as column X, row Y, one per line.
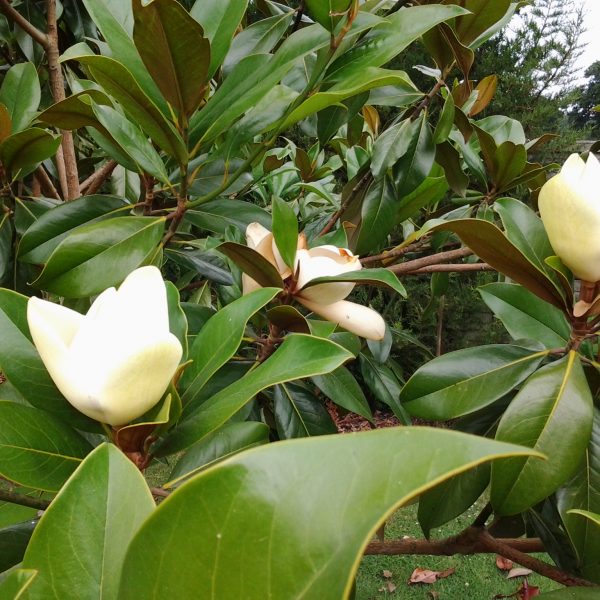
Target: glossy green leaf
column 384, row 385
column 164, row 34
column 464, row 381
column 484, row 15
column 118, row 81
column 389, row 38
column 416, row 163
column 328, row 13
column 27, row 148
column 580, row 493
column 554, row 404
column 492, row 246
column 448, row 157
column 114, row 19
column 392, row 144
column 258, row 38
column 44, row 235
column 526, row 316
column 223, row 443
column 429, row 192
column 341, row 387
column 6, row 242
column 37, row 449
column 378, row 215
column 445, row 121
column 220, row 338
column 363, row 81
column 130, row 137
column 11, row 513
column 299, row 356
column 299, row 413
column 75, row 111
column 16, row 583
column 97, row 256
column 23, row 367
column 452, row 498
column 104, row 503
column 285, row 514
column 206, row 264
column 379, row 277
column 13, row 542
column 252, row 263
column 220, row 21
column 285, row 230
column 20, row 93
column 288, row 318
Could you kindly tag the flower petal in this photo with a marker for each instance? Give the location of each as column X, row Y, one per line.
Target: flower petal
column 361, row 320
column 255, row 233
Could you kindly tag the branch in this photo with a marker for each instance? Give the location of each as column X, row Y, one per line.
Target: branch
column 29, row 501
column 93, row 183
column 452, row 268
column 46, row 184
column 434, row 259
column 16, row 17
column 66, row 161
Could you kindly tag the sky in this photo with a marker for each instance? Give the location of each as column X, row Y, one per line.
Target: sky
column 592, row 36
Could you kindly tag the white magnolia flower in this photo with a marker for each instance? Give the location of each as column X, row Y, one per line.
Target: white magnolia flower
column 116, row 362
column 324, row 299
column 570, row 209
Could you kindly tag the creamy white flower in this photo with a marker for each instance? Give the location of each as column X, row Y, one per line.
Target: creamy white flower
column 570, row 209
column 114, row 363
column 324, row 299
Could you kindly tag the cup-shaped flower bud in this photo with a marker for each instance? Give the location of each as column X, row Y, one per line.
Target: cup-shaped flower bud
column 570, row 209
column 325, row 261
column 114, row 363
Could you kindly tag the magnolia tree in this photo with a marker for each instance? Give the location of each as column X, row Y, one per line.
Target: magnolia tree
column 190, row 193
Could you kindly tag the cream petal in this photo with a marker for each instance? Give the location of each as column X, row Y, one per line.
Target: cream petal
column 590, row 180
column 255, row 233
column 572, row 223
column 282, row 268
column 52, row 328
column 116, row 383
column 310, row 268
column 361, row 320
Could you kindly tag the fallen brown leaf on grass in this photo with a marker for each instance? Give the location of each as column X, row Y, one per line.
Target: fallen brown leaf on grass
column 389, row 587
column 428, row 576
column 519, row 572
column 504, row 564
column 387, row 574
column 525, row 592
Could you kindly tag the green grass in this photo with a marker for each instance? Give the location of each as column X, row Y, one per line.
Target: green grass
column 476, row 577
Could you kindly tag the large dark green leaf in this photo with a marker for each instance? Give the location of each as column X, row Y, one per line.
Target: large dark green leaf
column 118, row 81
column 223, row 443
column 97, row 256
column 75, row 111
column 379, row 277
column 341, row 387
column 206, row 264
column 392, row 145
column 328, row 12
column 26, row 149
column 252, row 263
column 428, row 193
column 173, row 47
column 464, row 381
column 219, row 340
column 285, row 230
column 378, row 215
column 299, row 413
column 40, row 240
column 79, row 544
column 290, row 520
column 23, row 367
column 299, row 356
column 13, row 542
column 526, row 316
column 492, row 246
column 485, row 13
column 20, row 93
column 452, row 498
column 37, row 449
column 552, row 414
column 582, row 492
column 220, row 21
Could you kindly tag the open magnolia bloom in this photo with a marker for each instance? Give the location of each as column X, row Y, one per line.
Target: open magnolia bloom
column 324, row 299
column 116, row 362
column 570, row 209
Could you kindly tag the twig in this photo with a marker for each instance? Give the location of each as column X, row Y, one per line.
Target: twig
column 93, row 183
column 16, row 17
column 159, row 492
column 452, row 268
column 48, row 188
column 434, row 259
column 29, row 501
column 394, row 253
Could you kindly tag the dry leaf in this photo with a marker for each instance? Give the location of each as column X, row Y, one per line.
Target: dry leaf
column 387, row 574
column 428, row 576
column 519, row 572
column 526, row 591
column 389, row 587
column 504, row 564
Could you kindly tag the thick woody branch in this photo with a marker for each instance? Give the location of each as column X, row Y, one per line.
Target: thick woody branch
column 66, row 160
column 22, row 500
column 452, row 268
